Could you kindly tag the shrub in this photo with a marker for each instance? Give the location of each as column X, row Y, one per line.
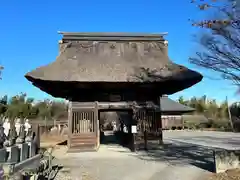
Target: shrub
column 222, row 125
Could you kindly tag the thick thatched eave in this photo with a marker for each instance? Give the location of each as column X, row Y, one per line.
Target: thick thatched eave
column 114, row 58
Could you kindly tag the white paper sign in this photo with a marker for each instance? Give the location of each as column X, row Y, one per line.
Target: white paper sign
column 134, row 129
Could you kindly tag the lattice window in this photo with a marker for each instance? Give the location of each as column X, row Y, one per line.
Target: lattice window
column 82, row 122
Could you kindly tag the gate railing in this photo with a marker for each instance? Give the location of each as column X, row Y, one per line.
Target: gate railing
column 148, row 121
column 82, row 122
column 83, row 118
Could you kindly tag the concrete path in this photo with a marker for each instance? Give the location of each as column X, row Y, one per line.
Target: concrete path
column 226, row 140
column 185, row 156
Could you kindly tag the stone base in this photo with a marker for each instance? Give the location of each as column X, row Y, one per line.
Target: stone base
column 13, row 154
column 32, row 149
column 3, row 155
column 226, row 159
column 24, row 151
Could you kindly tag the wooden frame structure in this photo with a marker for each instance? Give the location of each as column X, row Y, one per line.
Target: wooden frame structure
column 84, row 133
column 83, row 126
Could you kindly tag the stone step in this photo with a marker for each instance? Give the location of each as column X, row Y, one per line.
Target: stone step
column 83, row 140
column 82, row 148
column 82, row 143
column 83, row 137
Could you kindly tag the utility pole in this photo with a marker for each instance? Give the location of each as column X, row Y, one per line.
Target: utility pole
column 229, row 115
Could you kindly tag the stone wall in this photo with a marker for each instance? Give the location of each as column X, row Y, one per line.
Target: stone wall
column 226, row 159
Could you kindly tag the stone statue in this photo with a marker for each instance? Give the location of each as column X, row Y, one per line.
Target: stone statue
column 2, row 137
column 125, row 130
column 54, row 131
column 21, row 136
column 6, row 142
column 27, row 126
column 18, row 126
column 12, row 136
column 29, row 135
column 6, row 126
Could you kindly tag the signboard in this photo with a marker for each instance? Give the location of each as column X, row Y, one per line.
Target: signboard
column 134, row 129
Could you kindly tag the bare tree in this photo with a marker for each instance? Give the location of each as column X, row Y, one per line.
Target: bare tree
column 220, row 39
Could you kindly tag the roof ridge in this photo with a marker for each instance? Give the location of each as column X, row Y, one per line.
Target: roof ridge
column 112, row 36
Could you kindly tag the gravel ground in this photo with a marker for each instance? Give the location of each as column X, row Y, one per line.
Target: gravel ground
column 109, row 164
column 185, row 156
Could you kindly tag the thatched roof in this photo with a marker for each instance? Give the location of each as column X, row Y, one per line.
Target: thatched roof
column 111, row 58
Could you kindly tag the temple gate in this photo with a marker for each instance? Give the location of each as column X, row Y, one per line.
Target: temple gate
column 97, row 71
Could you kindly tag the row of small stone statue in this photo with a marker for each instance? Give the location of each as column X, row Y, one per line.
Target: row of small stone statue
column 17, row 134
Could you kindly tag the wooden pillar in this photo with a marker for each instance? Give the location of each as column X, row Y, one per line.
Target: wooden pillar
column 36, row 138
column 134, row 123
column 182, row 121
column 145, row 130
column 59, row 129
column 160, row 133
column 134, row 145
column 69, row 124
column 96, row 125
column 145, row 137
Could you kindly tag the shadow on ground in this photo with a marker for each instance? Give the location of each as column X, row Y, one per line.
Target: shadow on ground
column 108, row 139
column 178, row 154
column 116, row 138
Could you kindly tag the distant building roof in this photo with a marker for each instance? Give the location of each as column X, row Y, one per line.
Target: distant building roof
column 169, row 105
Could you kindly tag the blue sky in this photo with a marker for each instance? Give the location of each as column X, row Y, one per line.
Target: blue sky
column 29, row 36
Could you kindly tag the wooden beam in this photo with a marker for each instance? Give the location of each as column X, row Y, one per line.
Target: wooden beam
column 69, row 124
column 160, row 131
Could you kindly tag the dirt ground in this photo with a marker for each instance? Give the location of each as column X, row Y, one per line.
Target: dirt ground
column 228, row 175
column 234, row 174
column 51, row 141
column 61, row 150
